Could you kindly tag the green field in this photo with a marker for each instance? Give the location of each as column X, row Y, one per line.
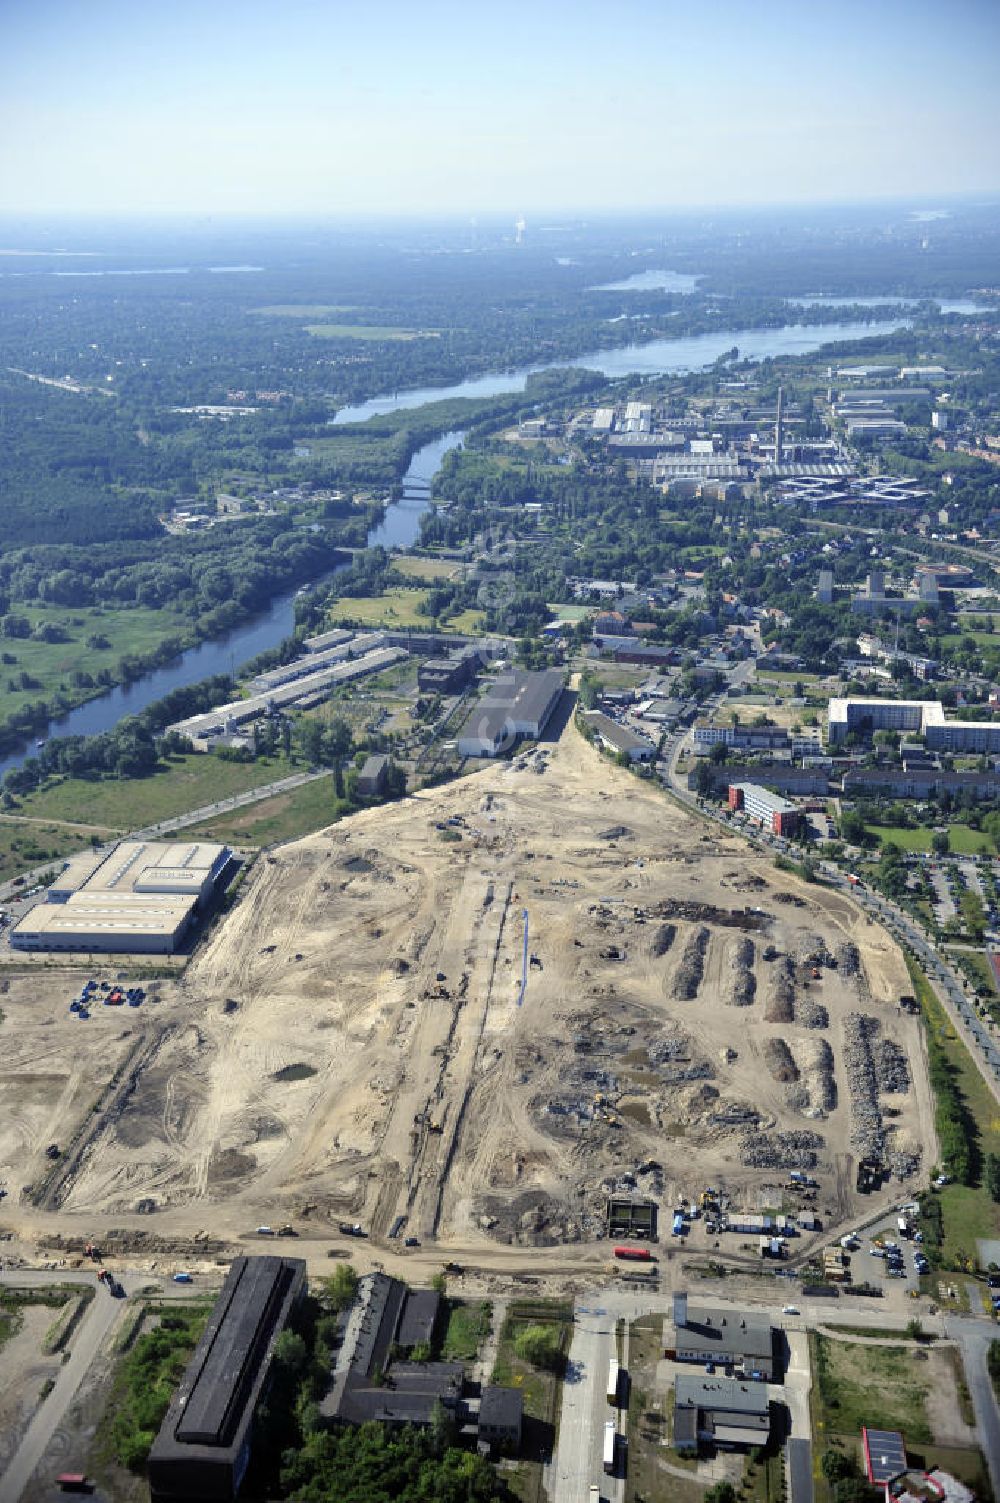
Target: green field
column 369, row 331
column 286, row 816
column 962, row 841
column 470, row 622
column 967, row 1211
column 468, row 1326
column 50, row 664
column 571, row 612
column 425, row 568
column 183, row 784
column 397, row 607
column 25, row 844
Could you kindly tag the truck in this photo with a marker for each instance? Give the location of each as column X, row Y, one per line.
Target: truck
column 903, row 1226
column 634, row 1254
column 610, row 1436
column 594, row 1495
column 613, row 1379
column 351, row 1229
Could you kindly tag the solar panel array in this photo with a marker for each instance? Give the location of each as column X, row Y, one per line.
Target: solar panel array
column 885, row 1455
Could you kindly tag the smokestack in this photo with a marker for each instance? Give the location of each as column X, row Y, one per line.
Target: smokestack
column 680, row 1311
column 778, row 428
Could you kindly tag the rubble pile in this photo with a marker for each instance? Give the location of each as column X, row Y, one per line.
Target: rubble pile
column 742, row 982
column 780, row 1005
column 781, row 1150
column 810, row 1013
column 687, row 977
column 848, row 959
column 892, row 1069
column 816, row 1059
column 663, row 939
column 867, row 1131
column 780, row 1061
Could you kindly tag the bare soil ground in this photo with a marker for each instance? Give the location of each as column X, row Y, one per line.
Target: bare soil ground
column 350, row 1043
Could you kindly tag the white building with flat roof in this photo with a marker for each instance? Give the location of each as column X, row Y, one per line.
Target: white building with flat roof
column 922, row 717
column 141, row 897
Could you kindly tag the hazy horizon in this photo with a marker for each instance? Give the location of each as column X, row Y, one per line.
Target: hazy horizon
column 565, row 109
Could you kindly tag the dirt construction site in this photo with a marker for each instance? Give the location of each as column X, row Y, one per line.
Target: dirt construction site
column 469, row 1018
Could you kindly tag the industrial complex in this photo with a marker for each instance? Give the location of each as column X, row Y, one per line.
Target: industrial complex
column 143, row 897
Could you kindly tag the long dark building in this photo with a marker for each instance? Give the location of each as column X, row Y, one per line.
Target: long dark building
column 203, row 1448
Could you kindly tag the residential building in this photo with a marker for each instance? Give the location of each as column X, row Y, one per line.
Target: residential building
column 924, row 717
column 771, row 810
column 372, row 777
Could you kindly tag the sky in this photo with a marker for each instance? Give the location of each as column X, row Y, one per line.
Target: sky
column 334, row 107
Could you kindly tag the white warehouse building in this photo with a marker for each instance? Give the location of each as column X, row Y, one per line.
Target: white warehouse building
column 141, row 898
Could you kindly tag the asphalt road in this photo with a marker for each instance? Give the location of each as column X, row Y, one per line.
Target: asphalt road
column 800, row 1476
column 102, row 1314
column 579, row 1456
column 975, row 1336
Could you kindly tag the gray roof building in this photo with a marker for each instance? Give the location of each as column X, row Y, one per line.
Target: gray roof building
column 203, row 1446
column 729, row 1337
column 720, row 1411
column 518, row 704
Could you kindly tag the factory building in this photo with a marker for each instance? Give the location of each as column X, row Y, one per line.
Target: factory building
column 730, row 1338
column 923, row 716
column 343, row 666
column 203, row 1447
column 618, row 739
column 142, row 898
column 518, row 704
column 770, row 809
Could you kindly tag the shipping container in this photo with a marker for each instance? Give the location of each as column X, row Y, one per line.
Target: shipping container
column 635, row 1254
column 613, row 1381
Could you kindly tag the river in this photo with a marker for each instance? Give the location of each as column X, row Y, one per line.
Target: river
column 400, row 527
column 657, row 357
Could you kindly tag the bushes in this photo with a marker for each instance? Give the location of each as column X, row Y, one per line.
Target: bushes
column 541, row 1346
column 146, row 1384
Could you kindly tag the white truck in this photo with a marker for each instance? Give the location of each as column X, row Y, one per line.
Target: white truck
column 610, row 1438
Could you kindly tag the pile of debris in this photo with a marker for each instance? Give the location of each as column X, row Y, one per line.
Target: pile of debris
column 780, row 1061
column 743, row 982
column 691, row 969
column 811, row 1014
column 663, row 938
column 781, row 1150
column 892, row 1069
column 867, row 1132
column 816, row 1058
column 707, row 913
column 848, row 959
column 780, row 1005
